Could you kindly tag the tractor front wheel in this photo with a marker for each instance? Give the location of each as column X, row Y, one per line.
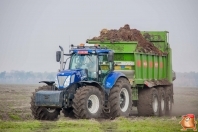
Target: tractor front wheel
column 43, row 113
column 87, row 102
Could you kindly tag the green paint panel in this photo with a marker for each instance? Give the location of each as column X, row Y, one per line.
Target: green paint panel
column 137, row 66
column 160, row 67
column 164, row 67
column 169, row 65
column 123, row 57
column 139, row 81
column 158, row 38
column 155, row 36
column 144, row 66
column 155, row 60
column 150, row 67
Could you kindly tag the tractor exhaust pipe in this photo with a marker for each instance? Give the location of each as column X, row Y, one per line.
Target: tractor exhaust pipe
column 61, row 58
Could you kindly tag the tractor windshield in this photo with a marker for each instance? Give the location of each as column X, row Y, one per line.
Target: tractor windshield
column 88, row 61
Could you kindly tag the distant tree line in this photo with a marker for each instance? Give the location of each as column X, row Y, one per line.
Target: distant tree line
column 22, row 77
column 189, row 79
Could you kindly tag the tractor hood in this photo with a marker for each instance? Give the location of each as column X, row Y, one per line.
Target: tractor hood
column 68, row 72
column 67, row 77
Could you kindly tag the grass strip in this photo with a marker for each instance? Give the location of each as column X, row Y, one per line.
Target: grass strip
column 148, row 124
column 121, row 124
column 19, row 126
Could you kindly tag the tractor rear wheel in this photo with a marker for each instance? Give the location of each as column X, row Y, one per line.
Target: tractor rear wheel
column 148, row 102
column 43, row 113
column 120, row 99
column 87, row 102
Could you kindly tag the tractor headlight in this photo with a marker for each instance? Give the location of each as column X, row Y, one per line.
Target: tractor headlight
column 67, row 82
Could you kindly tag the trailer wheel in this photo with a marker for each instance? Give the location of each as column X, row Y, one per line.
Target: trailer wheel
column 120, row 99
column 162, row 102
column 148, row 102
column 87, row 102
column 43, row 113
column 169, row 100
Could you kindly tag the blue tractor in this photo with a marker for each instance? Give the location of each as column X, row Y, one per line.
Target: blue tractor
column 89, row 88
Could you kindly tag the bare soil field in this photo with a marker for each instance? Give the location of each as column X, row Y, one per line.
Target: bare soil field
column 185, row 101
column 15, row 101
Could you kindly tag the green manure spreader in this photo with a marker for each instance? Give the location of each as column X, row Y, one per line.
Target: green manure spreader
column 105, row 79
column 150, row 74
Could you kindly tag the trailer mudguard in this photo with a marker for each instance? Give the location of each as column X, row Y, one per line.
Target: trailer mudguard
column 111, row 79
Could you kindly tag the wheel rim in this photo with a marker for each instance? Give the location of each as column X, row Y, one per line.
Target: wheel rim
column 155, row 104
column 169, row 103
column 162, row 103
column 51, row 110
column 124, row 99
column 93, row 104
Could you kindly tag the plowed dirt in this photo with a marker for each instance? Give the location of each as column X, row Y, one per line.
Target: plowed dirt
column 127, row 34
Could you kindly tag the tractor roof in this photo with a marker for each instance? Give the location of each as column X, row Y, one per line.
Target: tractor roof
column 82, row 49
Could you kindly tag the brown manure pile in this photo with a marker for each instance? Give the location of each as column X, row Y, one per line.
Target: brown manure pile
column 127, row 34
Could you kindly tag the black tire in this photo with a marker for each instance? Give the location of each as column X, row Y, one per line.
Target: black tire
column 118, row 93
column 169, row 100
column 83, row 105
column 43, row 113
column 162, row 101
column 148, row 102
column 68, row 112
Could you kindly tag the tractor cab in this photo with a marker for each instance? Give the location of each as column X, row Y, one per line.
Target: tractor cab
column 87, row 63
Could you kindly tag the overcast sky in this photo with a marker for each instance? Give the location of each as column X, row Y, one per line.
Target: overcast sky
column 32, row 30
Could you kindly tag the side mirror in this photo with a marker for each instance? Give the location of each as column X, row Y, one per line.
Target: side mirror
column 58, row 56
column 110, row 56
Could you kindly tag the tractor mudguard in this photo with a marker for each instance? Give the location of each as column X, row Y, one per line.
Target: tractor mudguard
column 50, row 83
column 111, row 79
column 94, row 83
